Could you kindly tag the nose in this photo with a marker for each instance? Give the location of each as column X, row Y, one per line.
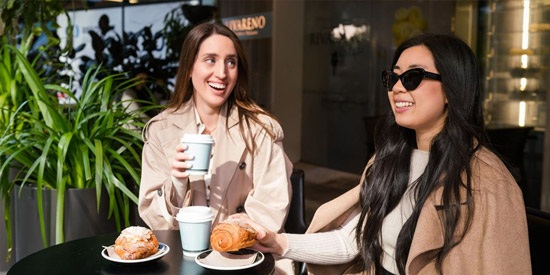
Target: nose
column 398, row 87
column 219, row 70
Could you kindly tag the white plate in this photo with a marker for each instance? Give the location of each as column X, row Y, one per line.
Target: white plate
column 259, row 259
column 163, row 250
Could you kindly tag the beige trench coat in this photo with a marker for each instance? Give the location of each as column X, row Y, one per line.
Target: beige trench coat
column 496, row 243
column 257, row 184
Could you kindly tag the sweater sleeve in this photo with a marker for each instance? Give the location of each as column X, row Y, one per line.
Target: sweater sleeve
column 337, row 246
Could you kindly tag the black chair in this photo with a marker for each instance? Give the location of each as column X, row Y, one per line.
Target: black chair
column 509, row 144
column 538, row 223
column 296, row 220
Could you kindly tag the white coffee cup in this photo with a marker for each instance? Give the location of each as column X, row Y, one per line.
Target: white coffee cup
column 200, row 146
column 195, row 223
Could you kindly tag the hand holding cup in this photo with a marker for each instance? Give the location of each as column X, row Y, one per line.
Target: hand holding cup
column 180, row 164
column 192, row 156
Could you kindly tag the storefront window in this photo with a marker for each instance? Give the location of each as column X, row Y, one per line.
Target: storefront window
column 514, row 49
column 347, row 44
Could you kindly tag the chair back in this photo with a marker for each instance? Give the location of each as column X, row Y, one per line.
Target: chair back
column 538, row 223
column 296, row 222
column 509, row 144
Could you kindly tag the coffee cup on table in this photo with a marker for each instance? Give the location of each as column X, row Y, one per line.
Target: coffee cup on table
column 195, row 223
column 200, row 146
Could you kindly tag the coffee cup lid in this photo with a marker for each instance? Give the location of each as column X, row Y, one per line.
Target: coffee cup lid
column 194, row 214
column 197, row 138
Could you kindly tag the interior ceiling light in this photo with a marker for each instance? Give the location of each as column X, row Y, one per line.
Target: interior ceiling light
column 120, row 1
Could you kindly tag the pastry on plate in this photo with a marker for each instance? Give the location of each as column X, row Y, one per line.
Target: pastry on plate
column 136, row 242
column 232, row 235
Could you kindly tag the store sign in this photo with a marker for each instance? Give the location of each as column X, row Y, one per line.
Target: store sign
column 250, row 26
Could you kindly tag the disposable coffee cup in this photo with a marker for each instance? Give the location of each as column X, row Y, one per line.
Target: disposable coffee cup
column 200, row 146
column 195, row 223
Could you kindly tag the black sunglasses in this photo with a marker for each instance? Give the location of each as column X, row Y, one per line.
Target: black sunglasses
column 410, row 79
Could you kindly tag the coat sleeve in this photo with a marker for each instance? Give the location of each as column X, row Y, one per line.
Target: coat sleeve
column 496, row 242
column 269, row 201
column 505, row 244
column 159, row 197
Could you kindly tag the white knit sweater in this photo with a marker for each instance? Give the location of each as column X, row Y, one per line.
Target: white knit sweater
column 339, row 246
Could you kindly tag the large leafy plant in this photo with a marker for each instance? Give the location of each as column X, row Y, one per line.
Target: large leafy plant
column 90, row 143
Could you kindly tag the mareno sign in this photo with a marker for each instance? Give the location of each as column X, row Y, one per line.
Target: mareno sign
column 250, row 26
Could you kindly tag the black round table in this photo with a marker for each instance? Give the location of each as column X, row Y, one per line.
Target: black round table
column 83, row 256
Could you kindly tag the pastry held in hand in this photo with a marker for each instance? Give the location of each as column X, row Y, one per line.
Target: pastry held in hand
column 232, row 235
column 136, row 242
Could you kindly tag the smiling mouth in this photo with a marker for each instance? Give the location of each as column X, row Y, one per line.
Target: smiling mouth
column 403, row 104
column 217, row 86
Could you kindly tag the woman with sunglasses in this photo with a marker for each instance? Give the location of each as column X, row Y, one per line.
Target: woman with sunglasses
column 433, row 199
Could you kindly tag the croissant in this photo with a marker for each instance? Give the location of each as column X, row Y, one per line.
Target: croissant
column 136, row 242
column 232, row 235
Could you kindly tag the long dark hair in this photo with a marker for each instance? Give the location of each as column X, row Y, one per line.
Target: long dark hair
column 183, row 91
column 450, row 153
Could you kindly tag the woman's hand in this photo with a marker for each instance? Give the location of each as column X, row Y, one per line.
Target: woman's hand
column 180, row 166
column 268, row 241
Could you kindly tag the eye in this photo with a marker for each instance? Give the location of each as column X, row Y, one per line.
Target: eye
column 231, row 63
column 210, row 61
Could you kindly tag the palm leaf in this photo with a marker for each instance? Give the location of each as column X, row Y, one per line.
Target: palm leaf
column 34, row 83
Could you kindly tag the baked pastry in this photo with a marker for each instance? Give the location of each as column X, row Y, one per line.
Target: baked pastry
column 232, row 235
column 136, row 242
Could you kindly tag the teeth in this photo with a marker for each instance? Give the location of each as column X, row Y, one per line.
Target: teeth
column 403, row 104
column 218, row 86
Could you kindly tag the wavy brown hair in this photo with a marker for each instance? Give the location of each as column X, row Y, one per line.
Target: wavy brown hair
column 247, row 109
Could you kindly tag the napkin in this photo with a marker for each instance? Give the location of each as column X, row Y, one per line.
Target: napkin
column 111, row 252
column 225, row 259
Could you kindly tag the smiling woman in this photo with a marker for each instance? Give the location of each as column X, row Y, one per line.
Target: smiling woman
column 249, row 170
column 214, row 75
column 419, row 103
column 433, row 199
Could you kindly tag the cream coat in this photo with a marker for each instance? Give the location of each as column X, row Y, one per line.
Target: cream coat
column 496, row 243
column 257, row 184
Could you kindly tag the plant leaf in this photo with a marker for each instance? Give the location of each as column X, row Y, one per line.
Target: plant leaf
column 39, row 181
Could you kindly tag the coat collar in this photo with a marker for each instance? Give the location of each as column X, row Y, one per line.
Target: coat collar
column 184, row 118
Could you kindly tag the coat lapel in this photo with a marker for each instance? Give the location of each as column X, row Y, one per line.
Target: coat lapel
column 229, row 148
column 184, row 118
column 427, row 239
column 181, row 121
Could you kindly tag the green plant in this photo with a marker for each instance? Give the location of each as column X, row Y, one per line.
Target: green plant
column 30, row 26
column 137, row 54
column 86, row 144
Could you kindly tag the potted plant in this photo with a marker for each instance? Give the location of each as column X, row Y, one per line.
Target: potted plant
column 28, row 25
column 86, row 144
